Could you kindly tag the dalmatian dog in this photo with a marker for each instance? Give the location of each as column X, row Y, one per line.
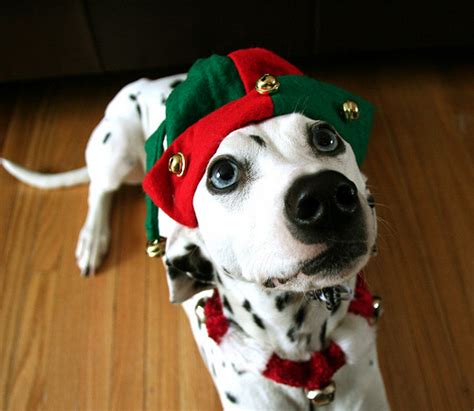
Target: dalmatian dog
column 260, row 186
column 267, row 241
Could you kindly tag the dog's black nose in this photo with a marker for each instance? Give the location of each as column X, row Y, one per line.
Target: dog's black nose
column 322, row 202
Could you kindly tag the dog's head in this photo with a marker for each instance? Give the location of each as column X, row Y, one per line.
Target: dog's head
column 268, row 193
column 282, row 204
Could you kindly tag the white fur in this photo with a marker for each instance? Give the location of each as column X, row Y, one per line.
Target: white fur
column 355, row 336
column 256, row 216
column 46, row 181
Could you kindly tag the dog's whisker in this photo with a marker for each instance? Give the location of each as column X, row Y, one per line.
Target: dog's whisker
column 381, row 205
column 386, row 224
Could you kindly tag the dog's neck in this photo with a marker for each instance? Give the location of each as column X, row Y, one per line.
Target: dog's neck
column 293, row 324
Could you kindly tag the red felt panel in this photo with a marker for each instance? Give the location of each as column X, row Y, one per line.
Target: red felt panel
column 362, row 304
column 254, row 63
column 216, row 323
column 173, row 194
column 313, row 374
column 293, row 373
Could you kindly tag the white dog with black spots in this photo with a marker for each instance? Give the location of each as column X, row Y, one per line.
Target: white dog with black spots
column 266, row 240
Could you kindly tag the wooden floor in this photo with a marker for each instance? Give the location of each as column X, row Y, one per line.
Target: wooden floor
column 114, row 342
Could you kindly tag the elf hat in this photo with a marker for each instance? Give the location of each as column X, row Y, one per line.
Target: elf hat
column 220, row 95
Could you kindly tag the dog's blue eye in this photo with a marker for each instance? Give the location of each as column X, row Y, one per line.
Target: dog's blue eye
column 224, row 174
column 324, row 137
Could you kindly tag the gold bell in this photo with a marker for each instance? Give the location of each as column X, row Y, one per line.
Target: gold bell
column 267, row 84
column 377, row 306
column 200, row 311
column 177, row 164
column 350, row 110
column 156, row 248
column 323, row 396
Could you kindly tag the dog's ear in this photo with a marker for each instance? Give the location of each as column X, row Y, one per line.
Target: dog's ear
column 189, row 270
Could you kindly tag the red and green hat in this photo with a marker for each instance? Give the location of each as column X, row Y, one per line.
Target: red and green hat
column 222, row 94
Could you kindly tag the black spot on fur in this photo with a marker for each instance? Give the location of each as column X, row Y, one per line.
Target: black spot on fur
column 234, row 324
column 371, row 363
column 197, row 285
column 335, row 308
column 371, row 200
column 174, row 272
column 258, row 321
column 226, row 304
column 194, row 263
column 282, row 301
column 213, row 370
column 132, row 97
column 176, row 83
column 139, row 110
column 237, row 371
column 300, row 316
column 219, row 280
column 322, row 334
column 231, row 397
column 223, row 364
column 291, row 334
column 163, row 100
column 269, row 284
column 259, row 140
column 247, row 305
column 106, row 137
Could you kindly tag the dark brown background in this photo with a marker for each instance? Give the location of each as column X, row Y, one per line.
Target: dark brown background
column 57, row 38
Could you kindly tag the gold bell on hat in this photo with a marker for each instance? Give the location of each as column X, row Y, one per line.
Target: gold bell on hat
column 177, row 164
column 156, row 248
column 323, row 396
column 350, row 110
column 267, row 84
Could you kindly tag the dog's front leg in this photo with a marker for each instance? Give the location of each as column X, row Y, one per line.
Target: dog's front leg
column 95, row 234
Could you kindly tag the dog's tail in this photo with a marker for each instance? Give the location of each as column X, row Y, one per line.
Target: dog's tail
column 46, row 181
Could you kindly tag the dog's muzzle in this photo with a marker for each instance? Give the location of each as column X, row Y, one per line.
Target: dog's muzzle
column 324, row 207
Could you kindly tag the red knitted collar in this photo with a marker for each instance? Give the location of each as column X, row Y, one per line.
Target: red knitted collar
column 317, row 372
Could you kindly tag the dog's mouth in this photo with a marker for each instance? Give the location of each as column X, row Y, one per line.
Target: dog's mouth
column 331, row 267
column 334, row 259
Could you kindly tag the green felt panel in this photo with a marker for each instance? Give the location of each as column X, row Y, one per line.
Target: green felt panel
column 323, row 101
column 154, row 150
column 218, row 82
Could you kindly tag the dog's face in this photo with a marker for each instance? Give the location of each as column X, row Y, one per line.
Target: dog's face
column 283, row 204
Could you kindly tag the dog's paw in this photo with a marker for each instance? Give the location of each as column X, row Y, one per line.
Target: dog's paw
column 247, row 353
column 91, row 248
column 355, row 336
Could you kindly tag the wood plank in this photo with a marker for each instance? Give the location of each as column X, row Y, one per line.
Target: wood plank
column 436, row 239
column 163, row 380
column 127, row 369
